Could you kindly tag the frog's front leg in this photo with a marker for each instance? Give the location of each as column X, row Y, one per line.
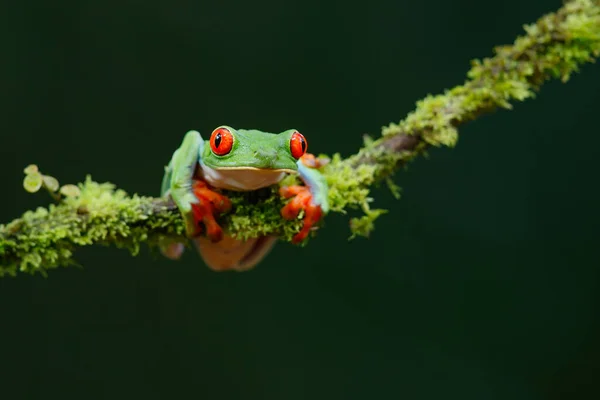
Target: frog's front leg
column 210, row 204
column 311, row 198
column 196, row 201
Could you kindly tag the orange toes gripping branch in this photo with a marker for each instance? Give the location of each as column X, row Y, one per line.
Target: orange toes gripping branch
column 210, row 204
column 313, row 162
column 303, row 200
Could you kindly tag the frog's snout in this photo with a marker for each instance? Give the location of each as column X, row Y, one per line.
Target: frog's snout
column 269, row 156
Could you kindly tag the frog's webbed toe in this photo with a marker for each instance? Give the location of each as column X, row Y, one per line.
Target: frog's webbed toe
column 302, row 200
column 209, row 205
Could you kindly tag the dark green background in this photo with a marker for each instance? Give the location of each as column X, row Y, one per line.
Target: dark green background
column 481, row 283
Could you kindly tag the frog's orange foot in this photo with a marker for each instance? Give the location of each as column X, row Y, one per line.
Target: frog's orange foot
column 210, row 204
column 302, row 200
column 313, row 162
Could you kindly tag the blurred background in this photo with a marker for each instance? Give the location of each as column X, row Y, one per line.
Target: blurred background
column 481, row 282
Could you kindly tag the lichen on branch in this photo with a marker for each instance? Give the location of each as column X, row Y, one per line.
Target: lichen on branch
column 97, row 213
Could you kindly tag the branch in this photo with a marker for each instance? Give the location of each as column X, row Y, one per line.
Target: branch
column 553, row 47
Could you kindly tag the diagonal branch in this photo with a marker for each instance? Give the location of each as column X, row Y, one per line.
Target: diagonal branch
column 553, row 47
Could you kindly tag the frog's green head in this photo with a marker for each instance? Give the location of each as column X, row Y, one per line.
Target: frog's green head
column 229, row 148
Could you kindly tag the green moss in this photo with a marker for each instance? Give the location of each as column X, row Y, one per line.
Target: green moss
column 252, row 217
column 348, row 186
column 554, row 47
column 47, row 237
column 363, row 226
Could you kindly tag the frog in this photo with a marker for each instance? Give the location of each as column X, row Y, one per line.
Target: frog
column 240, row 160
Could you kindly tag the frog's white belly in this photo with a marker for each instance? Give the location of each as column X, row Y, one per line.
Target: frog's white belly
column 243, row 178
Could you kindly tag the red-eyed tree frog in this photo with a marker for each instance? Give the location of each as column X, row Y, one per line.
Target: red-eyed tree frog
column 239, row 160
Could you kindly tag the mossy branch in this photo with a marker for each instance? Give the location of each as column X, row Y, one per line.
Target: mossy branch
column 553, row 47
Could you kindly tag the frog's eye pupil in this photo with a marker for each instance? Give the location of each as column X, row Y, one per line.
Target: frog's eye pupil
column 221, row 141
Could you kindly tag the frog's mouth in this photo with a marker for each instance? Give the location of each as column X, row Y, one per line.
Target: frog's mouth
column 243, row 178
column 257, row 170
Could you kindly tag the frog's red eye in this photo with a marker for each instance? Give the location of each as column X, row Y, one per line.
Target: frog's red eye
column 221, row 141
column 298, row 145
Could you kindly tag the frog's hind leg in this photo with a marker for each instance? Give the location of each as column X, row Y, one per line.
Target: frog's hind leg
column 233, row 254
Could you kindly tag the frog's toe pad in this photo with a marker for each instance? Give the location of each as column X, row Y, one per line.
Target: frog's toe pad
column 210, row 204
column 314, row 162
column 302, row 200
